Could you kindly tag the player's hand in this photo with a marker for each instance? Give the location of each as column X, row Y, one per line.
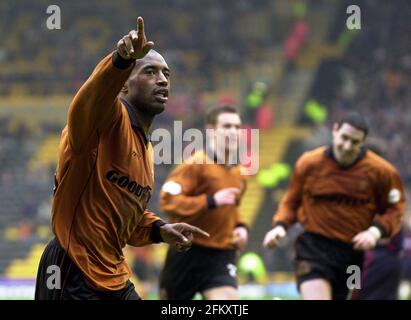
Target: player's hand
column 180, row 235
column 274, row 236
column 366, row 240
column 226, row 196
column 134, row 45
column 240, row 237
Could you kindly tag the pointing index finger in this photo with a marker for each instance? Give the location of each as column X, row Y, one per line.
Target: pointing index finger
column 235, row 190
column 140, row 26
column 198, row 231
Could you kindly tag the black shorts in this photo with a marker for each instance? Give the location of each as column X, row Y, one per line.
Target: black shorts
column 196, row 270
column 58, row 278
column 318, row 257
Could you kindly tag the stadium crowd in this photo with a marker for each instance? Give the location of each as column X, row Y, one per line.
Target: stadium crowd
column 375, row 78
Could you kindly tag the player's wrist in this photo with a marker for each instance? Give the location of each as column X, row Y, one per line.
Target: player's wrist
column 281, row 224
column 156, row 228
column 375, row 232
column 211, row 203
column 121, row 62
column 242, row 225
column 381, row 228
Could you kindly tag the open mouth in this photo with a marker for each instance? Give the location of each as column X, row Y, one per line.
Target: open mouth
column 161, row 95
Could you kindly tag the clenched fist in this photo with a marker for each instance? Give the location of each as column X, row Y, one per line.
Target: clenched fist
column 274, row 236
column 134, row 45
column 366, row 240
column 240, row 237
column 226, row 196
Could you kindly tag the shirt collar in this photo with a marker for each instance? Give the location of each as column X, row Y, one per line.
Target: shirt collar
column 212, row 155
column 134, row 120
column 330, row 153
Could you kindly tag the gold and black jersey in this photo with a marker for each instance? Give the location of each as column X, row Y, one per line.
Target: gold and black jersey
column 185, row 197
column 340, row 202
column 104, row 180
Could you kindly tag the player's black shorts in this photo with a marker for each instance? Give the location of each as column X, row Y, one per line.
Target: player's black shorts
column 69, row 283
column 196, row 270
column 318, row 257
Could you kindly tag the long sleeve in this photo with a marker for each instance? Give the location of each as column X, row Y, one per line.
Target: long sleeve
column 147, row 231
column 178, row 196
column 290, row 203
column 240, row 220
column 391, row 198
column 239, row 216
column 96, row 104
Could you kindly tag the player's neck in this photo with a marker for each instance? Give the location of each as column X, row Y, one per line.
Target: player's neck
column 140, row 118
column 223, row 154
column 145, row 120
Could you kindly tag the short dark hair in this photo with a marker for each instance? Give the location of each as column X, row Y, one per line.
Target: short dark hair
column 356, row 120
column 213, row 113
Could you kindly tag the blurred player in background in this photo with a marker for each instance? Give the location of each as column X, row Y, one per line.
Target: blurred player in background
column 205, row 191
column 104, row 177
column 346, row 198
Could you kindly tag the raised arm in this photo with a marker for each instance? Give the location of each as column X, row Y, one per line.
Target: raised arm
column 96, row 104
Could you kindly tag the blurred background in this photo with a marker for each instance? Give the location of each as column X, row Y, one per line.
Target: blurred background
column 292, row 67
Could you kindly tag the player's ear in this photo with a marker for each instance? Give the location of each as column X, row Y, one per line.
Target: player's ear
column 336, row 126
column 210, row 131
column 335, row 131
column 124, row 89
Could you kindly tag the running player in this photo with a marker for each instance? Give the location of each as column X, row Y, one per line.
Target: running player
column 346, row 198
